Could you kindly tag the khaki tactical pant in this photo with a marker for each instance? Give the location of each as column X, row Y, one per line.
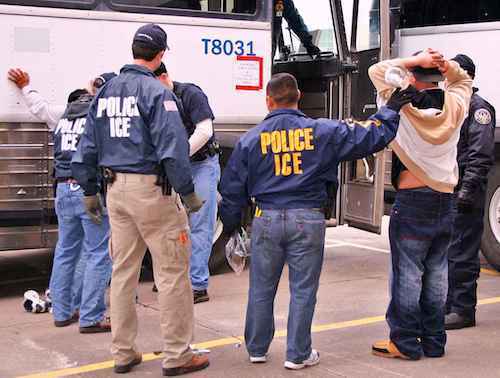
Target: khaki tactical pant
column 141, row 216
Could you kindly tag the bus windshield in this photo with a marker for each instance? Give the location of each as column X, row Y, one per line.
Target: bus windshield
column 317, row 16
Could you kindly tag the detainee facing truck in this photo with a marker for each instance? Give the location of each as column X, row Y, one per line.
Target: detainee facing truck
column 225, row 47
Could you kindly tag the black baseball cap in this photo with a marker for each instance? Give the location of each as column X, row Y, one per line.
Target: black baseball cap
column 427, row 75
column 467, row 64
column 152, row 36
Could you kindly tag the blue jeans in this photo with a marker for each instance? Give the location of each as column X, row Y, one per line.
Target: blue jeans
column 295, row 237
column 77, row 288
column 206, row 176
column 419, row 234
column 78, row 236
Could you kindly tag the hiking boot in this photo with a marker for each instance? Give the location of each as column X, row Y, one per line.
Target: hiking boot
column 198, row 362
column 311, row 361
column 387, row 349
column 457, row 321
column 100, row 327
column 122, row 369
column 200, row 296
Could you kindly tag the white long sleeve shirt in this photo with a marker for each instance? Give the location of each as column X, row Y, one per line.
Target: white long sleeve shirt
column 41, row 108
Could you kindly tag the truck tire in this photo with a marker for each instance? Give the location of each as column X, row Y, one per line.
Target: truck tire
column 490, row 243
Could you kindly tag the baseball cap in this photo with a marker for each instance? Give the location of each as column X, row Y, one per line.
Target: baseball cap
column 466, row 63
column 103, row 79
column 153, row 36
column 427, row 75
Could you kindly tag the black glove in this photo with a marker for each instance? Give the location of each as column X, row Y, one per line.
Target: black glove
column 465, row 200
column 313, row 50
column 401, row 97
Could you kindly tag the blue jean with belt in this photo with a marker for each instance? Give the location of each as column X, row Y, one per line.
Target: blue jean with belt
column 206, row 176
column 419, row 233
column 79, row 235
column 295, row 237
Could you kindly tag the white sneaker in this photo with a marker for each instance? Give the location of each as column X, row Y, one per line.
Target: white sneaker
column 258, row 360
column 311, row 361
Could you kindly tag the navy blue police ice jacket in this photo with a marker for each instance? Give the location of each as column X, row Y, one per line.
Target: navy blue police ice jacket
column 133, row 126
column 476, row 147
column 67, row 133
column 287, row 160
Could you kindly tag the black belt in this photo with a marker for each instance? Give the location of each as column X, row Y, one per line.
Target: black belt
column 66, row 180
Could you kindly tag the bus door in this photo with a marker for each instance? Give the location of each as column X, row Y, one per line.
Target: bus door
column 362, row 194
column 336, row 85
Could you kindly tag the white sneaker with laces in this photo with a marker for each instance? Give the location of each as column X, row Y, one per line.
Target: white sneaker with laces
column 258, row 360
column 311, row 361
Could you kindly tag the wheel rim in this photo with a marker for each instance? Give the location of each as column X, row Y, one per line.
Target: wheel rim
column 494, row 214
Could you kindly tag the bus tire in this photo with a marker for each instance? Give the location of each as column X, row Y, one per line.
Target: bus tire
column 490, row 243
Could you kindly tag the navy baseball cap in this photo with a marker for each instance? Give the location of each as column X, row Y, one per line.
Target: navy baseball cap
column 103, row 79
column 467, row 64
column 153, row 36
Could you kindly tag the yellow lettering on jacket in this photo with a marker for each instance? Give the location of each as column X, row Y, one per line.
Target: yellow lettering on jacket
column 287, row 147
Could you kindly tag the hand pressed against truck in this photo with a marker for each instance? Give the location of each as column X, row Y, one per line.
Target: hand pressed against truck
column 82, row 267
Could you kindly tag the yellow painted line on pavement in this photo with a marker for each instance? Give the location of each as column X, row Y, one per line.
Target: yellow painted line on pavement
column 222, row 342
column 490, row 272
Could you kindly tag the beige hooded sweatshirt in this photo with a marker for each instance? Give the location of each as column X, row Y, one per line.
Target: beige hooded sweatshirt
column 427, row 139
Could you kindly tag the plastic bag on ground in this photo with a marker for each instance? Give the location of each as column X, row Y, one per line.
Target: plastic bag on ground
column 237, row 251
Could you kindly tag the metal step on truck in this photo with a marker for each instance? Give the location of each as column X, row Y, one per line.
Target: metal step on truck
column 225, row 47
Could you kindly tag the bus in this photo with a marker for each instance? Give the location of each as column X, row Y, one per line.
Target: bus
column 224, row 46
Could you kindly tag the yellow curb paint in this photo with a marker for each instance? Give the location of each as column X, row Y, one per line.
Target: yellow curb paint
column 490, row 272
column 223, row 342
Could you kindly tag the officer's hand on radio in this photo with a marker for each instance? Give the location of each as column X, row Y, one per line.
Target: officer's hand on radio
column 465, row 200
column 400, row 98
column 19, row 77
column 313, row 50
column 192, row 202
column 93, row 207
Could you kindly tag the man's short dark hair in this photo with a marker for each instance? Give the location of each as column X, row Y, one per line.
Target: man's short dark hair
column 283, row 89
column 76, row 94
column 161, row 70
column 141, row 50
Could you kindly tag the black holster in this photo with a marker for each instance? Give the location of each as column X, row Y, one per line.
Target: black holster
column 162, row 181
column 108, row 177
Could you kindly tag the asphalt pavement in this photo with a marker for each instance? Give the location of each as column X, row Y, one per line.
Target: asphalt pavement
column 352, row 300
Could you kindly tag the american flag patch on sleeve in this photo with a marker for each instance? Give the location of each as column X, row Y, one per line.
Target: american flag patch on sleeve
column 170, row 106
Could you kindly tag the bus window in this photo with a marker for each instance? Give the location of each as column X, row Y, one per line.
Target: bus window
column 368, row 27
column 418, row 13
column 219, row 6
column 317, row 15
column 72, row 4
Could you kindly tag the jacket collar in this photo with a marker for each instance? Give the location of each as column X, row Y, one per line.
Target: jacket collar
column 134, row 68
column 279, row 112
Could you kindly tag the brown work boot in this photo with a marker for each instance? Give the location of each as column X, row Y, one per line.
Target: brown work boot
column 100, row 327
column 122, row 369
column 198, row 362
column 65, row 323
column 387, row 349
column 200, row 296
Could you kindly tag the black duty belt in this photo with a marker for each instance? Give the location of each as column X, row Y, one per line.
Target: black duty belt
column 208, row 150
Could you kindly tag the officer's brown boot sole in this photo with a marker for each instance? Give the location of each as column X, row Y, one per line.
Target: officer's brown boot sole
column 387, row 349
